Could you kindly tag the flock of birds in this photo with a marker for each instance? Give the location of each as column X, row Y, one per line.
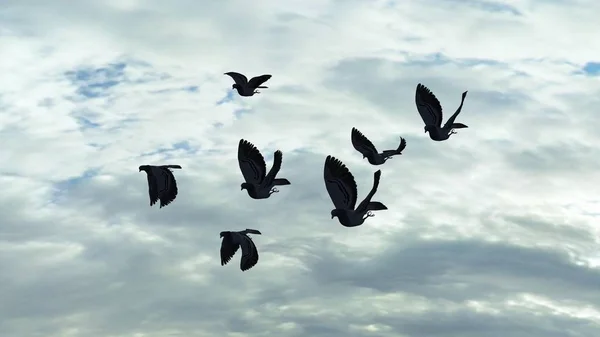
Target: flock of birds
column 339, row 182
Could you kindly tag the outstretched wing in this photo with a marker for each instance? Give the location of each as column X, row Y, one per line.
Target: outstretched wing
column 362, row 207
column 249, row 252
column 238, row 78
column 252, row 163
column 167, row 191
column 362, row 144
column 340, row 184
column 152, row 188
column 228, row 248
column 428, row 106
column 277, row 160
column 255, row 82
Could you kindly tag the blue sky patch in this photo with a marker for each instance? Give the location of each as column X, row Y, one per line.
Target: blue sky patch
column 592, row 68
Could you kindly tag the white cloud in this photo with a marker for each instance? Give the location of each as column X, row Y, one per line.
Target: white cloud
column 491, row 233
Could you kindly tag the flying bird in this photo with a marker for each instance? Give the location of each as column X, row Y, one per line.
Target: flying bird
column 231, row 243
column 431, row 112
column 252, row 164
column 341, row 187
column 161, row 183
column 248, row 88
column 363, row 145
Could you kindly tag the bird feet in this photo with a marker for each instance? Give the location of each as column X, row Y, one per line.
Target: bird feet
column 256, row 92
column 273, row 190
column 452, row 132
column 369, row 215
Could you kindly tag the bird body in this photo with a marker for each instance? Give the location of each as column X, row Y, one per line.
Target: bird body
column 431, row 112
column 232, row 241
column 363, row 145
column 252, row 164
column 342, row 190
column 247, row 88
column 161, row 183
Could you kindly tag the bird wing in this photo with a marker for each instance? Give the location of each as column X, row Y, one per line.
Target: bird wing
column 340, row 184
column 152, row 188
column 362, row 144
column 249, row 251
column 362, row 207
column 168, row 188
column 255, row 82
column 252, row 163
column 277, row 160
column 239, row 79
column 452, row 118
column 229, row 247
column 428, row 106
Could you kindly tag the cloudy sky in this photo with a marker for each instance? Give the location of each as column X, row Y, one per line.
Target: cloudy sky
column 493, row 233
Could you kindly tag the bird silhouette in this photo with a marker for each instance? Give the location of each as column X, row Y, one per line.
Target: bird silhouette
column 161, row 183
column 363, row 145
column 247, row 88
column 431, row 112
column 231, row 243
column 252, row 164
column 341, row 187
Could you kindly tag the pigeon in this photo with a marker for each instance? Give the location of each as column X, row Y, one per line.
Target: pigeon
column 253, row 167
column 341, row 187
column 431, row 112
column 363, row 145
column 248, row 88
column 232, row 242
column 161, row 183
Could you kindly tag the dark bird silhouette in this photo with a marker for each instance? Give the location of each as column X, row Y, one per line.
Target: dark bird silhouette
column 248, row 88
column 231, row 243
column 341, row 187
column 363, row 145
column 252, row 164
column 161, row 183
column 431, row 112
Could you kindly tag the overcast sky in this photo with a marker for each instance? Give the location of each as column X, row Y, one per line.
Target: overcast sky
column 493, row 233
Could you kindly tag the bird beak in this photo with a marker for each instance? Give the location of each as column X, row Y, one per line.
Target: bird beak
column 332, row 216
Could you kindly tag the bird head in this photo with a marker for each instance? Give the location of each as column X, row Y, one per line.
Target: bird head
column 429, row 128
column 144, row 168
column 222, row 234
column 334, row 213
column 235, row 86
column 245, row 186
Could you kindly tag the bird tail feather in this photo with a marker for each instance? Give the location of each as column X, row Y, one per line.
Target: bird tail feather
column 281, row 181
column 263, row 87
column 172, row 166
column 376, row 206
column 458, row 126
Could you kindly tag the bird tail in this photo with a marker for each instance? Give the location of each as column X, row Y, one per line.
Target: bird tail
column 458, row 126
column 280, row 181
column 253, row 231
column 172, row 166
column 262, row 87
column 401, row 146
column 375, row 206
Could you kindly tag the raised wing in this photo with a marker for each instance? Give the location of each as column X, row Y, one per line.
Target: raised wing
column 249, row 252
column 252, row 163
column 340, row 184
column 169, row 191
column 228, row 248
column 362, row 207
column 238, row 78
column 277, row 160
column 452, row 118
column 255, row 82
column 428, row 106
column 362, row 144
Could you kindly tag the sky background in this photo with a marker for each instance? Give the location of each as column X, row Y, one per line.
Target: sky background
column 493, row 233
